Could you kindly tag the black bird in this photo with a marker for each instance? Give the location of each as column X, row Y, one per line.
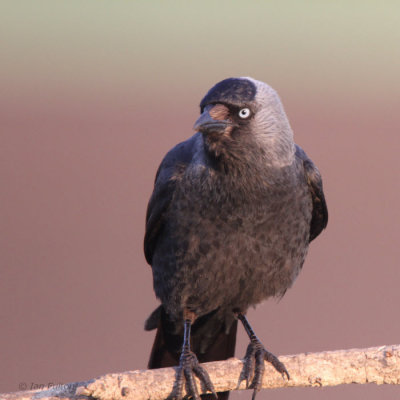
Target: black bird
column 228, row 225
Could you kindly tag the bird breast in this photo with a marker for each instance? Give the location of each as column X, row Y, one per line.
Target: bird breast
column 252, row 242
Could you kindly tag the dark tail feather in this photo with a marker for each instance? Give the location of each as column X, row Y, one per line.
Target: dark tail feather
column 162, row 355
column 222, row 349
column 168, row 343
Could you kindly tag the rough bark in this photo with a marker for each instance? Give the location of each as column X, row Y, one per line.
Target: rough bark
column 379, row 365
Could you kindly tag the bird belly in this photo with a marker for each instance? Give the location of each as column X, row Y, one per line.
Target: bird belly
column 232, row 257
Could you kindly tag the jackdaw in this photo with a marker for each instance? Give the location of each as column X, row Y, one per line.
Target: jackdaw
column 228, row 225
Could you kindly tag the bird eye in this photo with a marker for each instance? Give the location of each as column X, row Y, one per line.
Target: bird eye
column 244, row 113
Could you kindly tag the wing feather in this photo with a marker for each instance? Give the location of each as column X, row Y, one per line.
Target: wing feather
column 174, row 162
column 319, row 218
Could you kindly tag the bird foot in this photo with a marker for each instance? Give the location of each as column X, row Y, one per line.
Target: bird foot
column 188, row 367
column 254, row 365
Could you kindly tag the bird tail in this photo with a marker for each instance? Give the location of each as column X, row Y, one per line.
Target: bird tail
column 212, row 340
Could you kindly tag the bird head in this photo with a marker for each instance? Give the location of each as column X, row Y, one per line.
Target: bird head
column 240, row 116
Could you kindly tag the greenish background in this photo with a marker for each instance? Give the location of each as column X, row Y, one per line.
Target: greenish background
column 92, row 95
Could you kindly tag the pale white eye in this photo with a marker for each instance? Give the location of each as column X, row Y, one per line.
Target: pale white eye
column 244, row 113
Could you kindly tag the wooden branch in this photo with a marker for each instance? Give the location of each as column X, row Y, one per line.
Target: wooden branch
column 379, row 365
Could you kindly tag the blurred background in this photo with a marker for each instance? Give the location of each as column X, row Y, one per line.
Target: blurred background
column 94, row 93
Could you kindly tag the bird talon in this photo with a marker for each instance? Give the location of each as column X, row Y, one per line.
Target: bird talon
column 190, row 366
column 254, row 360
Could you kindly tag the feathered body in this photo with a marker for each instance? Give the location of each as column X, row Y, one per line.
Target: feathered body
column 230, row 240
column 232, row 213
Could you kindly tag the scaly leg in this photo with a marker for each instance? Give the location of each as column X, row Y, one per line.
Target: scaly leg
column 254, row 359
column 190, row 366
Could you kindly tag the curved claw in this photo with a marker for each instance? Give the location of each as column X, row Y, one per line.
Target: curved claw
column 202, row 374
column 278, row 365
column 188, row 367
column 178, row 386
column 191, row 385
column 249, row 365
column 259, row 371
column 254, row 365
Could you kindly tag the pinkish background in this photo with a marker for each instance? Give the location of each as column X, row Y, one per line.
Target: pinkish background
column 94, row 93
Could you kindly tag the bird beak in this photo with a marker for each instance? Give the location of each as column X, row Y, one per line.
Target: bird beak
column 207, row 124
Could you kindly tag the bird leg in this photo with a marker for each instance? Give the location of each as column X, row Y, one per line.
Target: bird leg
column 189, row 366
column 254, row 359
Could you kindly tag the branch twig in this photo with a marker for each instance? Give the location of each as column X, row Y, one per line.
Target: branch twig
column 379, row 365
